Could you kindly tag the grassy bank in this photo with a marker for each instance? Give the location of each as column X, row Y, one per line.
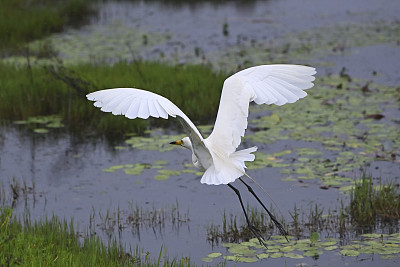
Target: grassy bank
column 56, row 243
column 37, row 91
column 22, row 21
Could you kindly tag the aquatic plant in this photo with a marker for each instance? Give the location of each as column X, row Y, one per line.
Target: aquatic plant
column 22, row 21
column 384, row 245
column 370, row 205
column 59, row 91
column 56, row 242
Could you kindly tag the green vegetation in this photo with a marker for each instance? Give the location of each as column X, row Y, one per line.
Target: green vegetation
column 383, row 245
column 368, row 207
column 344, row 118
column 22, row 21
column 56, row 243
column 235, row 229
column 371, row 205
column 37, row 91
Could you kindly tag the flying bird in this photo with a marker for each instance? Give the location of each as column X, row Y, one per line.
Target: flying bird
column 217, row 155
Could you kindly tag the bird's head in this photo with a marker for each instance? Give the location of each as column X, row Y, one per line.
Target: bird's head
column 185, row 142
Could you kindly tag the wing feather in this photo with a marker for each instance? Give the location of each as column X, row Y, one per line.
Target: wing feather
column 152, row 109
column 136, row 103
column 265, row 84
column 161, row 111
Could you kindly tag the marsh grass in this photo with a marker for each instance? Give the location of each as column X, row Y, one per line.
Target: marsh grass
column 55, row 242
column 18, row 190
column 22, row 21
column 371, row 205
column 369, row 208
column 33, row 91
column 234, row 228
column 137, row 218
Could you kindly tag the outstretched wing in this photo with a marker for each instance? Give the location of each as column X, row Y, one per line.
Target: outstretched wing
column 136, row 103
column 265, row 84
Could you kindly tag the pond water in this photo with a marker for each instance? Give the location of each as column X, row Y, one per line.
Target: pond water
column 92, row 182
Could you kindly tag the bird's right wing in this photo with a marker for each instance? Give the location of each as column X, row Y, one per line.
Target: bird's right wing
column 265, row 84
column 136, row 103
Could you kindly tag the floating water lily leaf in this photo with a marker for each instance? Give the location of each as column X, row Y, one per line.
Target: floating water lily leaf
column 371, row 235
column 312, row 253
column 287, row 249
column 206, row 259
column 289, row 179
column 293, row 256
column 272, row 249
column 276, row 255
column 241, row 250
column 387, row 257
column 214, row 255
column 328, row 248
column 55, row 124
column 346, row 189
column 154, row 142
column 165, row 174
column 41, row 130
column 160, row 162
column 170, row 172
column 263, row 256
column 249, row 244
column 120, row 147
column 349, row 252
column 136, row 170
column 161, row 177
column 228, row 245
column 240, row 259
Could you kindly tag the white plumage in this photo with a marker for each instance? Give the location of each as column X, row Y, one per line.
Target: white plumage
column 217, row 155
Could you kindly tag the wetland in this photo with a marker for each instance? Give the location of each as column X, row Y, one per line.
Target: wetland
column 115, row 185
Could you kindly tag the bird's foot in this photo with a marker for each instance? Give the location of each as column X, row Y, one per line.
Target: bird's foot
column 258, row 234
column 280, row 227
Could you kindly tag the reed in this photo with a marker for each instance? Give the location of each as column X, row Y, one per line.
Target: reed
column 371, row 205
column 33, row 91
column 55, row 242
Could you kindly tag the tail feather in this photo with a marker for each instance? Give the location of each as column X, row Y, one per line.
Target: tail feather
column 227, row 171
column 244, row 155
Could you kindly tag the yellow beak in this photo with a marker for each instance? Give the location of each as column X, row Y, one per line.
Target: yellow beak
column 179, row 142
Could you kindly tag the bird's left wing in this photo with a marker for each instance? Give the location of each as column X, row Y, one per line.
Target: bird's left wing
column 136, row 103
column 265, row 84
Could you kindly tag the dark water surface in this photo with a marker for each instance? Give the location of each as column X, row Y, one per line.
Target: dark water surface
column 67, row 172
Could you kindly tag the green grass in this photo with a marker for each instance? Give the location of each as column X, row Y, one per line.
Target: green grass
column 22, row 21
column 37, row 91
column 370, row 205
column 370, row 208
column 56, row 243
column 235, row 229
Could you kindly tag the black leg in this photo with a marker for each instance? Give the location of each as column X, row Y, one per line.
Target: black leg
column 255, row 231
column 278, row 224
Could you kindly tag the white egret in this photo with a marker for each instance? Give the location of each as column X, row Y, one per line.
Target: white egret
column 217, row 155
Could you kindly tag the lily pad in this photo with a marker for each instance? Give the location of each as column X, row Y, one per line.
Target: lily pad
column 214, row 255
column 349, row 252
column 329, row 248
column 293, row 256
column 206, row 259
column 263, row 256
column 41, row 130
column 276, row 255
column 312, row 253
